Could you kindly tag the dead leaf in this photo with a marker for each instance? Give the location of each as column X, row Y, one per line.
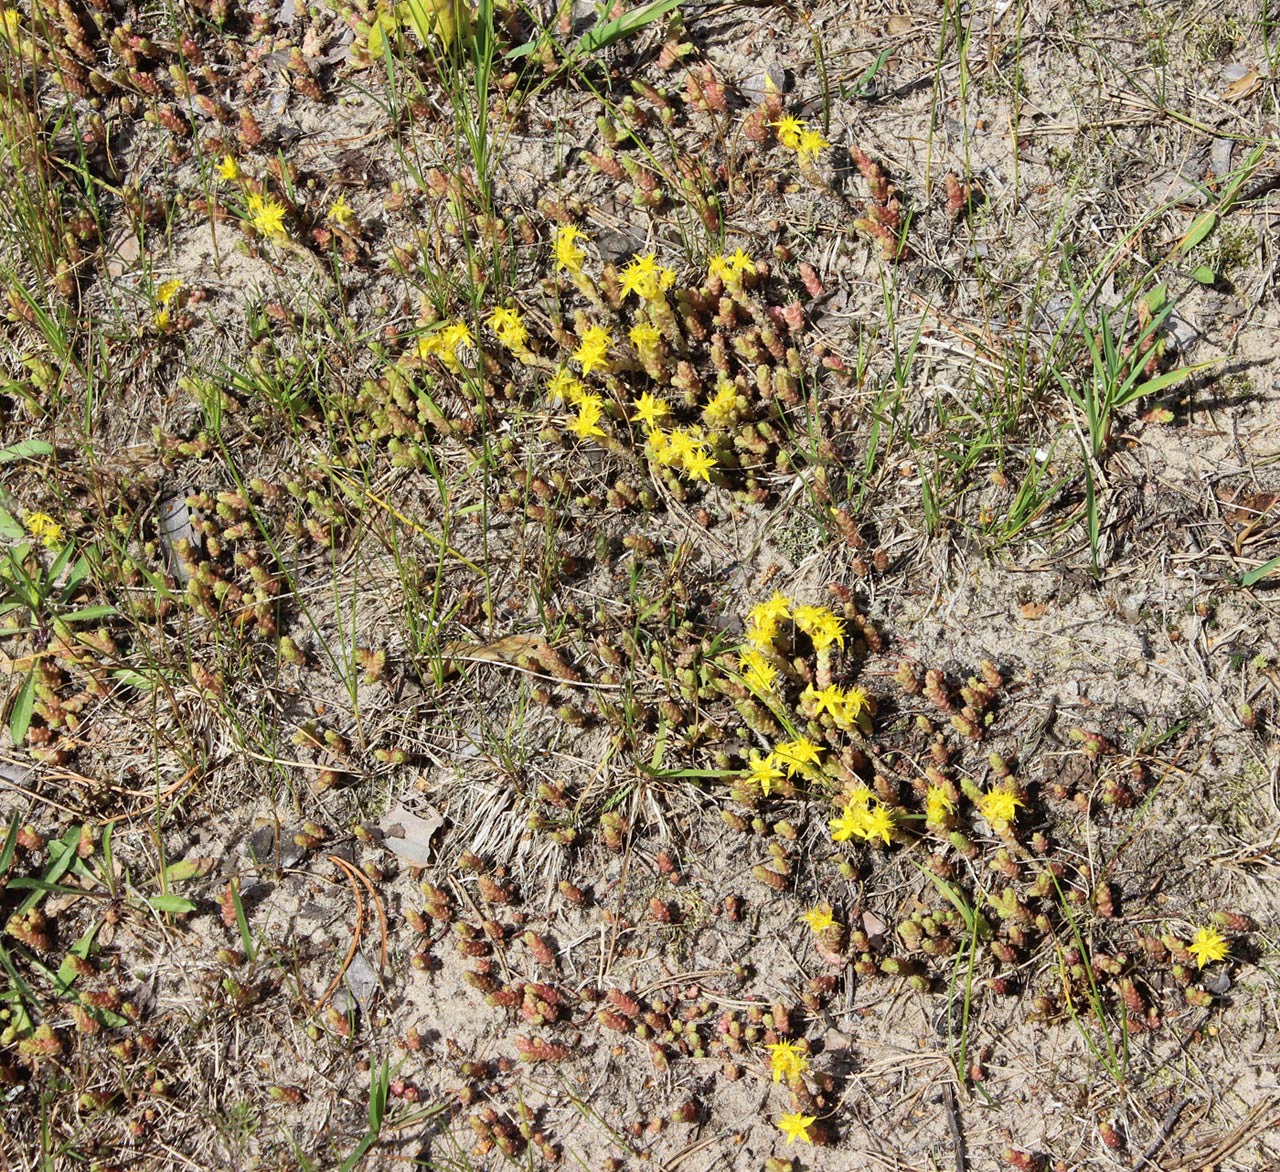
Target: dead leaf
column 512, row 650
column 408, row 834
column 1242, row 87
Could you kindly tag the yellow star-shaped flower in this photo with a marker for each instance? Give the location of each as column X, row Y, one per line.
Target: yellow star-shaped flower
column 698, row 463
column 786, row 1061
column 509, row 328
column 649, row 410
column 789, row 130
column 764, row 771
column 797, row 754
column 266, row 216
column 593, row 351
column 999, row 807
column 568, row 255
column 1207, row 945
column 819, row 918
column 341, row 214
column 796, row 1126
column 643, row 334
column 821, row 625
column 587, row 422
column 44, row 529
column 810, row 143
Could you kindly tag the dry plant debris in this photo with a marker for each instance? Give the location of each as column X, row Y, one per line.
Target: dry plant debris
column 665, row 585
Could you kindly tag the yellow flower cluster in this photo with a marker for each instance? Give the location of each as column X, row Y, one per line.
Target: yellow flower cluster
column 864, row 816
column 797, row 755
column 731, row 269
column 999, row 807
column 845, row 706
column 509, row 328
column 758, row 673
column 786, row 1062
column 446, row 344
column 593, row 351
column 820, row 624
column 564, row 388
column 646, row 278
column 266, row 215
column 44, row 529
column 569, row 256
column 722, row 409
column 165, row 293
column 819, row 918
column 764, row 619
column 938, row 808
column 586, row 424
column 683, row 448
column 786, row 760
column 796, row 135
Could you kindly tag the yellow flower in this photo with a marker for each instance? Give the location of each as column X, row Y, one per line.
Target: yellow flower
column 719, row 412
column 845, row 706
column 509, row 328
column 679, row 444
column 564, row 388
column 938, row 808
column 1207, row 945
column 764, row 771
column 165, row 293
column 341, row 214
column 660, row 445
column 879, row 823
column 44, row 529
column 764, row 618
column 644, row 277
column 266, row 216
column 786, row 1061
column 821, row 625
column 862, row 817
column 796, row 1126
column 999, row 807
column 856, row 702
column 757, row 672
column 698, row 463
column 586, row 423
column 819, row 918
column 229, row 169
column 795, row 755
column 740, row 263
column 593, row 351
column 730, row 269
column 810, row 143
column 829, row 699
column 649, row 410
column 789, row 130
column 568, row 255
column 642, row 334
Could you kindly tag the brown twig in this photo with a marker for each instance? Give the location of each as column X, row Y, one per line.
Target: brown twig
column 355, row 940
